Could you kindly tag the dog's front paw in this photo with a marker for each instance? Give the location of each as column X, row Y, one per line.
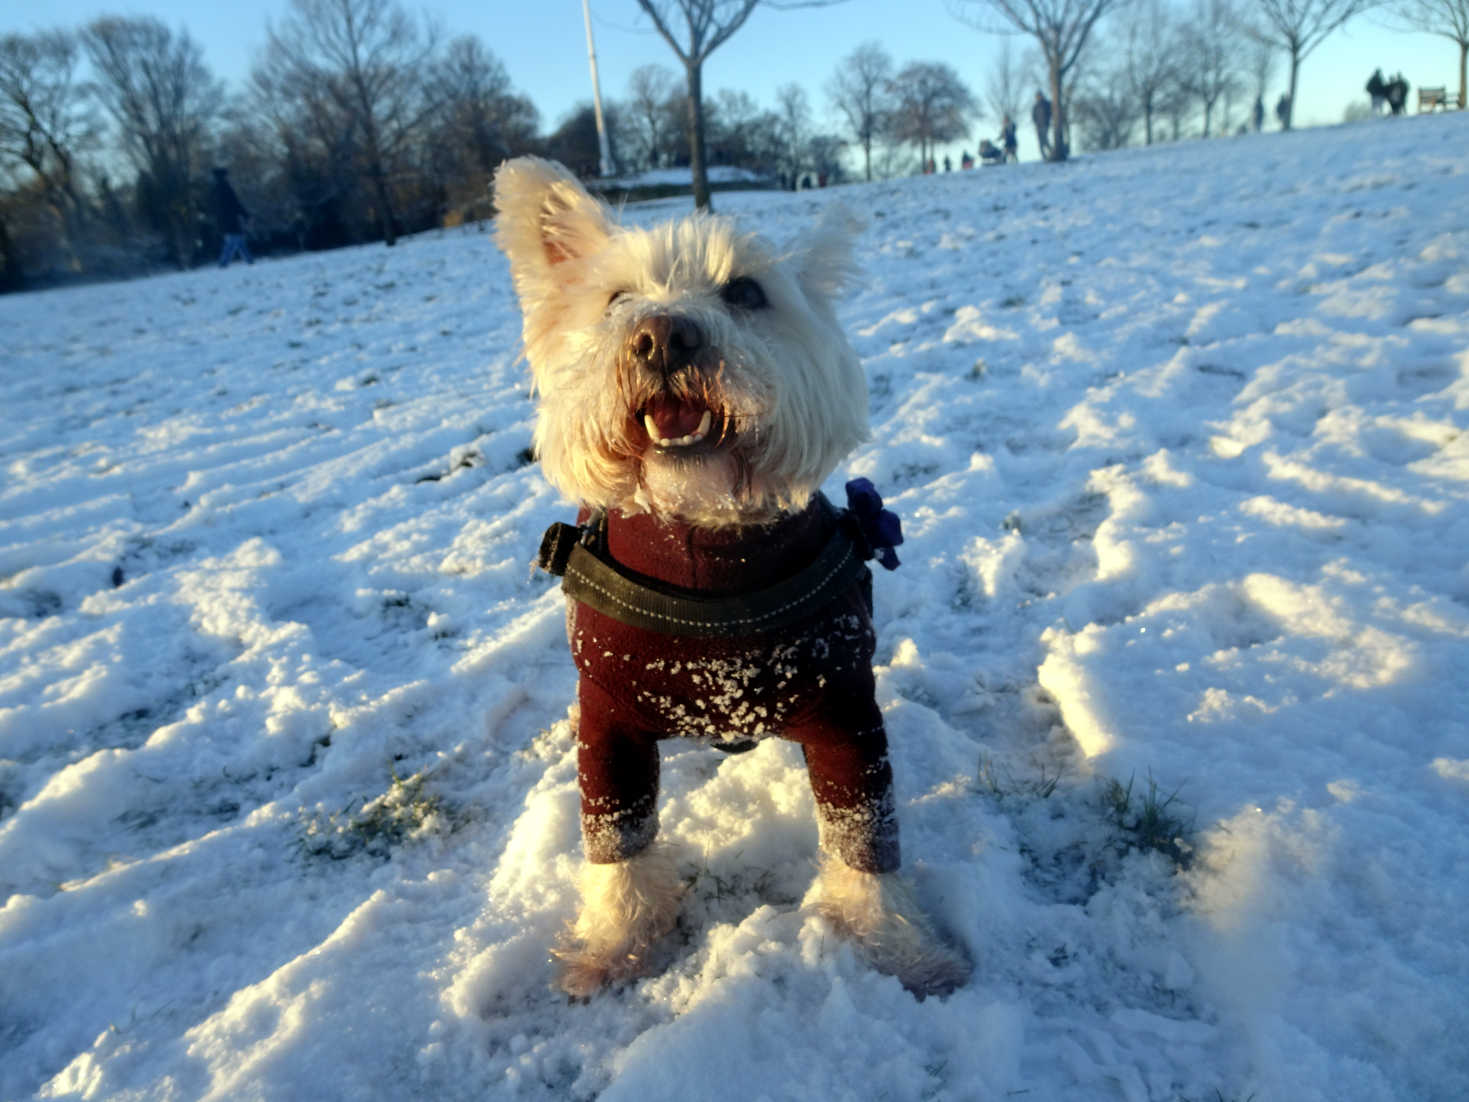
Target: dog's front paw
column 879, row 913
column 626, row 907
column 583, row 971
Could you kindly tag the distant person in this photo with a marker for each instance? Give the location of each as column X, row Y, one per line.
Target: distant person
column 948, row 163
column 966, row 162
column 1040, row 114
column 1377, row 89
column 231, row 217
column 1259, row 113
column 1282, row 110
column 1007, row 139
column 1396, row 91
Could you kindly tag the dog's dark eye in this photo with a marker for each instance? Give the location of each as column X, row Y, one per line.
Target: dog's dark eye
column 614, row 298
column 744, row 293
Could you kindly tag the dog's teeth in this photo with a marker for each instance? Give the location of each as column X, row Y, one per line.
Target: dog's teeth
column 694, row 437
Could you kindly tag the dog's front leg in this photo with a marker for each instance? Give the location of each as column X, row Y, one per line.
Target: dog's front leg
column 630, row 888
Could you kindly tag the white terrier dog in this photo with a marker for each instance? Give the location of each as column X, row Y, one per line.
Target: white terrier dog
column 695, row 391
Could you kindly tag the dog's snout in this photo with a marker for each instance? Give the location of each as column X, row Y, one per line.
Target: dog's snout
column 666, row 342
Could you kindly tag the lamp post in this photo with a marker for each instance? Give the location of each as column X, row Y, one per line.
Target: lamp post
column 603, row 150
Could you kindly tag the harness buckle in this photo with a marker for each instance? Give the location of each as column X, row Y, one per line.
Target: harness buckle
column 556, row 547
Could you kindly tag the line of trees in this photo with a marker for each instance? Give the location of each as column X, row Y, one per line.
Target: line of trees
column 358, row 123
column 1166, row 71
column 361, row 122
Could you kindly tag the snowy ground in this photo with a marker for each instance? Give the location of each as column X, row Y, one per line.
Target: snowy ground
column 287, row 796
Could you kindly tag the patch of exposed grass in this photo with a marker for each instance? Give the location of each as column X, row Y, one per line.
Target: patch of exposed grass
column 406, row 812
column 1002, row 782
column 1149, row 822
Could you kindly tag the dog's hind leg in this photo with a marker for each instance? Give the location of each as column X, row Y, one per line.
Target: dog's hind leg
column 878, row 911
column 859, row 890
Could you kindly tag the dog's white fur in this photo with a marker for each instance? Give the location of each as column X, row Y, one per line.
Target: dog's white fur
column 880, row 913
column 793, row 395
column 626, row 907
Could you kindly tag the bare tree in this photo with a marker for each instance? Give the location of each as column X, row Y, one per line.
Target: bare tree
column 479, row 105
column 860, row 90
column 1213, row 58
column 930, row 105
column 164, row 101
column 46, row 120
column 370, row 56
column 1005, row 88
column 1259, row 65
column 1104, row 108
column 1152, row 52
column 740, row 133
column 793, row 110
column 694, row 29
column 1061, row 28
column 576, row 143
column 1446, row 18
column 824, row 152
column 316, row 143
column 1298, row 27
column 650, row 112
column 480, row 120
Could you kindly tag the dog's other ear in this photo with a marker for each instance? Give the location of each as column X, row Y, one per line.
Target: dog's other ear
column 824, row 257
column 543, row 218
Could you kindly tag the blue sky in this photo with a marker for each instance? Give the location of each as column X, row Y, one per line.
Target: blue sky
column 543, row 46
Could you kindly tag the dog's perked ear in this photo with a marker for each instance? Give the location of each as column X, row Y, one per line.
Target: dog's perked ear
column 544, row 218
column 825, row 256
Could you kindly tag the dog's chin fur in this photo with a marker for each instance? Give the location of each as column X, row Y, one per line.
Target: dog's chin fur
column 879, row 912
column 714, row 491
column 626, row 907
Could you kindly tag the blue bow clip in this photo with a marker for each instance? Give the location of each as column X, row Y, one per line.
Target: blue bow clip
column 879, row 527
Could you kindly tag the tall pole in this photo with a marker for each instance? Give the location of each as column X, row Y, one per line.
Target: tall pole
column 602, row 148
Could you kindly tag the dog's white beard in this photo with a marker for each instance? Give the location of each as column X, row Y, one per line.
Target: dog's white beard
column 714, row 491
column 694, row 489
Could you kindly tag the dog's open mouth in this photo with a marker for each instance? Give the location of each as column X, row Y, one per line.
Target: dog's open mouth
column 674, row 423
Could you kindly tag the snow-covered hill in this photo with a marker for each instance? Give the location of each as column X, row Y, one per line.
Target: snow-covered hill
column 1174, row 669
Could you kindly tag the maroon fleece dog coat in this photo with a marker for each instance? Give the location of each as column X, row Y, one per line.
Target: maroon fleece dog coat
column 810, row 682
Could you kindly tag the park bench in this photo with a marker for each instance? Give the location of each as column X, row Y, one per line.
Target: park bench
column 1436, row 99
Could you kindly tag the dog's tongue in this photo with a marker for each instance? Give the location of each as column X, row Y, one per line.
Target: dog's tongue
column 672, row 418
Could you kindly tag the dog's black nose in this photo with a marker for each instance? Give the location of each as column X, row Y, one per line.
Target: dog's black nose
column 665, row 343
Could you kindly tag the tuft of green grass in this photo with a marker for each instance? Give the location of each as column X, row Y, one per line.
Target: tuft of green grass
column 1149, row 822
column 407, row 811
column 1002, row 783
